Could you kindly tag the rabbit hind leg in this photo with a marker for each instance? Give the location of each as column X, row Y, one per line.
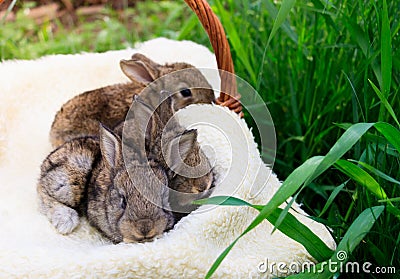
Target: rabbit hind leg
column 61, row 190
column 64, row 218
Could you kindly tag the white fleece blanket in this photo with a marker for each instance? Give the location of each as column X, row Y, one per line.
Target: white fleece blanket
column 30, row 94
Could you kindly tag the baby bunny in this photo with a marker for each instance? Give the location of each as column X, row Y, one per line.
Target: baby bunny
column 127, row 207
column 192, row 177
column 109, row 105
column 88, row 176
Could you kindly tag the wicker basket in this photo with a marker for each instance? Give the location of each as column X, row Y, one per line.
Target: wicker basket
column 228, row 96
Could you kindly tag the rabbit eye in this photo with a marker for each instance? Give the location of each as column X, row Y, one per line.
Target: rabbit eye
column 123, row 202
column 186, row 92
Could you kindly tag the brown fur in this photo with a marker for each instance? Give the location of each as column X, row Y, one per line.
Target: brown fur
column 88, row 176
column 197, row 179
column 93, row 167
column 63, row 180
column 118, row 205
column 109, row 105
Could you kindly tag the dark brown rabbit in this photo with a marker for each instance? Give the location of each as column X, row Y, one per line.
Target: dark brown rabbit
column 109, row 105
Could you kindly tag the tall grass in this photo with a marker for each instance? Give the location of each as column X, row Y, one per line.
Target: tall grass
column 329, row 64
column 329, row 73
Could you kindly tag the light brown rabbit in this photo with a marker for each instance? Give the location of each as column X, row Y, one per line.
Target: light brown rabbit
column 192, row 178
column 88, row 176
column 109, row 105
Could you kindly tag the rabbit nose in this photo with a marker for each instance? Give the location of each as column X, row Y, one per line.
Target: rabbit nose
column 145, row 227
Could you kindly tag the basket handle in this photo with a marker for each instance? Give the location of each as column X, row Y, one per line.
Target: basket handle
column 229, row 96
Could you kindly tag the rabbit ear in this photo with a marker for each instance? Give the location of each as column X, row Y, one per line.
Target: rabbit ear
column 144, row 59
column 147, row 123
column 110, row 146
column 177, row 150
column 165, row 110
column 140, row 68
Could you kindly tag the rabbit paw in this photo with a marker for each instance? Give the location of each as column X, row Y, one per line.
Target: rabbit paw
column 65, row 220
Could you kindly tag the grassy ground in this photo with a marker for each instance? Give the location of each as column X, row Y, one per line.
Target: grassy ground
column 107, row 30
column 330, row 64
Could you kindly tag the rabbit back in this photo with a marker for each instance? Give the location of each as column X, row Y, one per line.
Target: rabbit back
column 80, row 116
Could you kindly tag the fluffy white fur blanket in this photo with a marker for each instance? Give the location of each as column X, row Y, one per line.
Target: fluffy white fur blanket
column 30, row 94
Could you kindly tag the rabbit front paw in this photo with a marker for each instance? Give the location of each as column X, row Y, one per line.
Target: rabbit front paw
column 65, row 219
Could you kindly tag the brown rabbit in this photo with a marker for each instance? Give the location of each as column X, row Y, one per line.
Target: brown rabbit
column 88, row 175
column 192, row 178
column 127, row 208
column 109, row 105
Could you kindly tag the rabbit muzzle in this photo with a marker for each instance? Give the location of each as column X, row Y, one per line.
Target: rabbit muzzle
column 142, row 230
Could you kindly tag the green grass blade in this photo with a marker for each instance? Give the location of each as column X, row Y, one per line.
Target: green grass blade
column 385, row 102
column 367, row 181
column 362, row 177
column 273, row 12
column 397, row 245
column 376, row 172
column 386, row 52
column 190, row 23
column 390, row 133
column 297, row 231
column 343, row 144
column 362, row 40
column 322, row 6
column 223, row 200
column 392, row 209
column 379, row 256
column 356, row 232
column 343, row 126
column 358, row 229
column 283, row 214
column 283, row 12
column 220, row 258
column 289, row 226
column 358, row 35
column 294, row 182
column 333, row 195
column 391, row 200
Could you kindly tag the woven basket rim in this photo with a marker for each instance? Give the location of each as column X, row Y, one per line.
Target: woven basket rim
column 228, row 96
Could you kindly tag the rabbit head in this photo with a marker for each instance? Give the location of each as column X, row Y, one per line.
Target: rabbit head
column 186, row 82
column 192, row 178
column 128, row 203
column 190, row 172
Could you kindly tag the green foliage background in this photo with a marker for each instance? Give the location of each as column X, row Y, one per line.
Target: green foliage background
column 328, row 65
